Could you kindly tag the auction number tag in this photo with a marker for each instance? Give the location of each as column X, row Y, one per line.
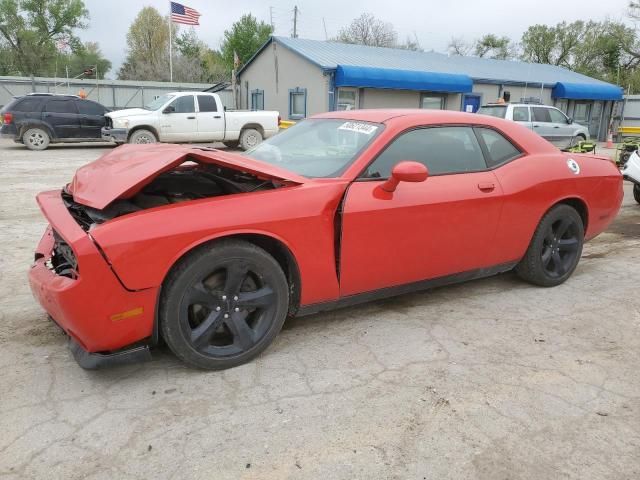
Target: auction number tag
column 358, row 127
column 573, row 166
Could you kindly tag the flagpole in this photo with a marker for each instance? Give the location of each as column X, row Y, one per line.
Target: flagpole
column 170, row 46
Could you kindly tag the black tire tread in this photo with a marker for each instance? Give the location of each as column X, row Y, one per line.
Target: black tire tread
column 530, row 268
column 170, row 332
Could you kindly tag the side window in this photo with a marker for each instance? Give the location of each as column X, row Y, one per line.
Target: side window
column 440, row 149
column 184, row 104
column 520, row 114
column 61, row 106
column 87, row 107
column 500, row 149
column 541, row 114
column 557, row 116
column 206, row 103
column 27, row 105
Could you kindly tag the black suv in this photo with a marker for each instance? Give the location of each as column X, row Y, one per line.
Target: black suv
column 38, row 119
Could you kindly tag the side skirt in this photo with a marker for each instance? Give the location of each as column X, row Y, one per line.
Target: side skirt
column 406, row 288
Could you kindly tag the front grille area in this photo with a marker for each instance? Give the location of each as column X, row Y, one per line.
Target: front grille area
column 63, row 261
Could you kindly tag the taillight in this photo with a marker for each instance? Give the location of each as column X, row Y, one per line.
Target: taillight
column 7, row 118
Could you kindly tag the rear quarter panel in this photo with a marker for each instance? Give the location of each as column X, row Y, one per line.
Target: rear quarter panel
column 534, row 183
column 142, row 247
column 235, row 121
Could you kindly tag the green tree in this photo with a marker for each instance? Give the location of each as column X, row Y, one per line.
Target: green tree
column 492, row 46
column 369, row 30
column 84, row 56
column 245, row 37
column 30, row 29
column 148, row 47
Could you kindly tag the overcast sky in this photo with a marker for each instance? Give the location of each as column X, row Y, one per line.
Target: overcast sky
column 433, row 22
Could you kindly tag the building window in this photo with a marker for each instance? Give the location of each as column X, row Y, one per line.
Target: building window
column 347, row 98
column 432, row 102
column 257, row 99
column 297, row 103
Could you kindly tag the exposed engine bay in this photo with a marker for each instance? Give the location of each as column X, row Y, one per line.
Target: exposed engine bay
column 186, row 182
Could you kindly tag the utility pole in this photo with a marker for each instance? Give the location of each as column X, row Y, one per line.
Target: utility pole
column 271, row 18
column 295, row 21
column 326, row 37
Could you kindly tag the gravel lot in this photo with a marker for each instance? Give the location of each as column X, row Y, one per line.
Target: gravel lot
column 493, row 379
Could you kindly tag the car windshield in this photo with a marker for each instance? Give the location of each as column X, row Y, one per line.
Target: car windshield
column 317, row 147
column 494, row 110
column 158, row 102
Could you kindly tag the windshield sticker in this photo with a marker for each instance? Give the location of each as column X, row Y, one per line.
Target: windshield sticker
column 358, row 127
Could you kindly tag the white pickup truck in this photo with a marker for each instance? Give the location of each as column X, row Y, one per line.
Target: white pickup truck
column 190, row 117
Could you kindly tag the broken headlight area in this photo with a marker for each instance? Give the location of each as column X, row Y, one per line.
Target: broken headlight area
column 63, row 261
column 184, row 183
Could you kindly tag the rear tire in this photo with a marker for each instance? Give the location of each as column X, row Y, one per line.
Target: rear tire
column 250, row 138
column 36, row 139
column 555, row 249
column 142, row 137
column 636, row 192
column 223, row 305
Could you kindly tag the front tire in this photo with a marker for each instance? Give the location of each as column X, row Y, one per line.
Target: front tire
column 555, row 249
column 36, row 139
column 636, row 192
column 142, row 136
column 223, row 305
column 250, row 138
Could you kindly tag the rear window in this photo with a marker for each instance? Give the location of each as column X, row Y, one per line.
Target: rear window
column 494, row 110
column 26, row 104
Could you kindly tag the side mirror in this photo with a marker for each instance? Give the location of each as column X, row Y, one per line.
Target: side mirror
column 569, row 120
column 406, row 171
column 169, row 109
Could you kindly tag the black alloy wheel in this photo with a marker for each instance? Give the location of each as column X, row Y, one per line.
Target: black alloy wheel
column 224, row 305
column 555, row 249
column 560, row 247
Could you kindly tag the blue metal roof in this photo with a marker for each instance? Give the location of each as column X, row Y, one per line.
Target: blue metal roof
column 352, row 76
column 328, row 55
column 582, row 91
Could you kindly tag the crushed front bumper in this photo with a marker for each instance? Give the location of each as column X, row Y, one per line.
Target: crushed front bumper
column 84, row 296
column 118, row 135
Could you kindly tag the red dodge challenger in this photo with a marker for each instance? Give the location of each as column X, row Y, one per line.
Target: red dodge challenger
column 211, row 251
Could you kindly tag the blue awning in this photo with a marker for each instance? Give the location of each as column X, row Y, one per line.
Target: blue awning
column 372, row 77
column 587, row 91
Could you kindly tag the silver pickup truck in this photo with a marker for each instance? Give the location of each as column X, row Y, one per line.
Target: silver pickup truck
column 548, row 122
column 190, row 117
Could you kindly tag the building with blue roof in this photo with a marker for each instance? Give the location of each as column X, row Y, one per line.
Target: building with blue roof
column 300, row 77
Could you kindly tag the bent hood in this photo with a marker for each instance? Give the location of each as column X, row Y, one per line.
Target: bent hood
column 127, row 112
column 125, row 170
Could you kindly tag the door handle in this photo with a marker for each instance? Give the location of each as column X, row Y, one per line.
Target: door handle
column 536, row 126
column 217, row 116
column 486, row 187
column 191, row 118
column 557, row 126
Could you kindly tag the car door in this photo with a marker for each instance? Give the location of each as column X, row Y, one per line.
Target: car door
column 541, row 123
column 62, row 116
column 91, row 118
column 563, row 136
column 442, row 226
column 178, row 122
column 210, row 120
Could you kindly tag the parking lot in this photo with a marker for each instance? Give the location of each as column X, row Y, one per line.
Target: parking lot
column 493, row 379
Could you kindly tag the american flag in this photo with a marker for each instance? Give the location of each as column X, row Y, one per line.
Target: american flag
column 183, row 14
